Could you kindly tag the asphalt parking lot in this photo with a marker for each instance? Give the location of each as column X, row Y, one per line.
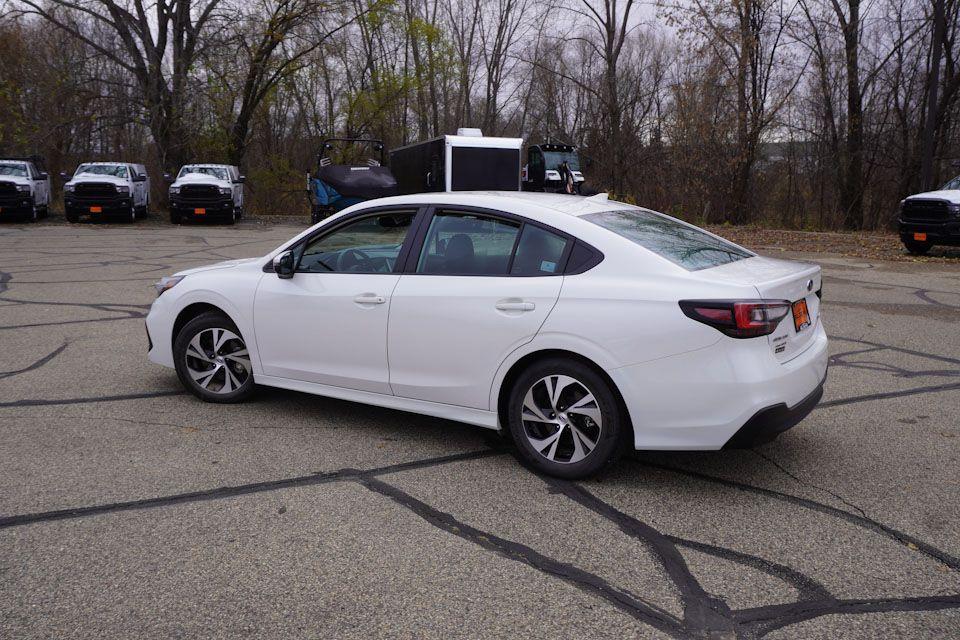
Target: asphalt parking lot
column 130, row 509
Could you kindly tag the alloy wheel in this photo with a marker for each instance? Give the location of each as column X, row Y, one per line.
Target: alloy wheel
column 561, row 419
column 218, row 360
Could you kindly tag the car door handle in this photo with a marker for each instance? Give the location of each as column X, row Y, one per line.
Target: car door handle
column 369, row 298
column 515, row 305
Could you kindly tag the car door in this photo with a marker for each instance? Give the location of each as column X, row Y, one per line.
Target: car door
column 328, row 323
column 480, row 286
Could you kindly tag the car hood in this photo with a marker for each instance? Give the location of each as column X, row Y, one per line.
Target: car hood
column 15, row 179
column 226, row 264
column 950, row 195
column 201, row 178
column 90, row 177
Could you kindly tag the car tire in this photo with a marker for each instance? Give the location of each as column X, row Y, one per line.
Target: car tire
column 71, row 216
column 916, row 248
column 233, row 217
column 34, row 214
column 212, row 360
column 174, row 218
column 581, row 426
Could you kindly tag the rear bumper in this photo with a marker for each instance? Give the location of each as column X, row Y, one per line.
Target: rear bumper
column 767, row 424
column 947, row 232
column 702, row 399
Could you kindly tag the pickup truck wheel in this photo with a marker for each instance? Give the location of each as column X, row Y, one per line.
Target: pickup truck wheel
column 133, row 214
column 71, row 216
column 916, row 248
column 34, row 213
column 174, row 218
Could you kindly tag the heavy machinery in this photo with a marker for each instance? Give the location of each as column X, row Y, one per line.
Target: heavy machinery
column 338, row 185
column 554, row 168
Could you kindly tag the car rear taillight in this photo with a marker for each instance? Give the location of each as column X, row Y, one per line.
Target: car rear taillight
column 738, row 318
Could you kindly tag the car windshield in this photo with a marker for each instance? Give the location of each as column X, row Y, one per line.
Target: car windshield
column 217, row 172
column 553, row 159
column 952, row 185
column 115, row 170
column 17, row 169
column 678, row 242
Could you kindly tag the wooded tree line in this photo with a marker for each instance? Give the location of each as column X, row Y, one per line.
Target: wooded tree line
column 797, row 113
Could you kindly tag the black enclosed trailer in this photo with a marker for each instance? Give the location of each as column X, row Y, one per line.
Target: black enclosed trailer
column 469, row 161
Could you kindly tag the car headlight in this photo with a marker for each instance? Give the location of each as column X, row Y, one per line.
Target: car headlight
column 68, row 188
column 167, row 282
column 954, row 208
column 226, row 191
column 123, row 189
column 23, row 187
column 174, row 190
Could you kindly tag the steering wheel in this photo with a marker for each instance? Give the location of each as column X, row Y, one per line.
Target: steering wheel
column 351, row 258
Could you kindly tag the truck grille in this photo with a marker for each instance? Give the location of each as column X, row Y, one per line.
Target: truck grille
column 925, row 210
column 8, row 189
column 199, row 192
column 95, row 190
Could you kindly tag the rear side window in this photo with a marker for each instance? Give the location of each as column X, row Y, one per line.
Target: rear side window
column 468, row 244
column 539, row 253
column 681, row 244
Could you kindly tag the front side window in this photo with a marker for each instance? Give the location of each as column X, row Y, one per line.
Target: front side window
column 468, row 244
column 539, row 253
column 115, row 170
column 367, row 245
column 17, row 170
column 680, row 243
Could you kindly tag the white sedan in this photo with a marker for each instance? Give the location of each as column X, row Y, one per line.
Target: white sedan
column 581, row 326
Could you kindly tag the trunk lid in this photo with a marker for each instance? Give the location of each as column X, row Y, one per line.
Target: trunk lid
column 776, row 279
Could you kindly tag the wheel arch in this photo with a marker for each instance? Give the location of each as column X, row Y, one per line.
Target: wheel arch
column 192, row 311
column 503, row 393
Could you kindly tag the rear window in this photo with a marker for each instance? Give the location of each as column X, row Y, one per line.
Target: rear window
column 680, row 243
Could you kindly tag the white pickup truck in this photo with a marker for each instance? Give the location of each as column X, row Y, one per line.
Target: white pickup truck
column 24, row 189
column 931, row 218
column 205, row 191
column 116, row 189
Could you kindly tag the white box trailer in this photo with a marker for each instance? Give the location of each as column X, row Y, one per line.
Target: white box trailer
column 468, row 161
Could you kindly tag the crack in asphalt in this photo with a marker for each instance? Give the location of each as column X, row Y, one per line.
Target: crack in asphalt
column 37, row 364
column 220, row 493
column 704, row 614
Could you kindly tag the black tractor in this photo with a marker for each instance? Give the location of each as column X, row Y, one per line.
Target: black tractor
column 554, row 168
column 349, row 170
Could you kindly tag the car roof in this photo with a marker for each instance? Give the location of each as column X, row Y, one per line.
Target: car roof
column 510, row 201
column 107, row 162
column 205, row 164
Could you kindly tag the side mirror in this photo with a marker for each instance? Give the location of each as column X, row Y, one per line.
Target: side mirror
column 283, row 265
column 139, row 178
column 43, row 176
column 63, row 174
column 241, row 180
column 168, row 177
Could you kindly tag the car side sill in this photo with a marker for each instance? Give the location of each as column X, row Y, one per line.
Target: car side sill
column 478, row 417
